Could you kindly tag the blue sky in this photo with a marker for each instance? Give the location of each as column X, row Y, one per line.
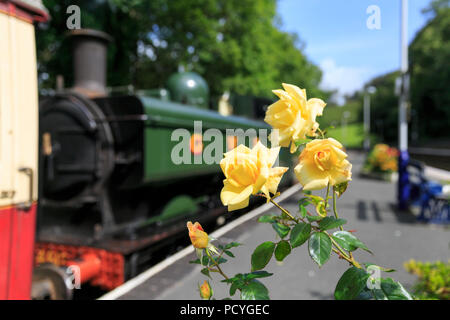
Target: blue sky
column 338, row 40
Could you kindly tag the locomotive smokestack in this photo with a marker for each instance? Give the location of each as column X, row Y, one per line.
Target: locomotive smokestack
column 89, row 61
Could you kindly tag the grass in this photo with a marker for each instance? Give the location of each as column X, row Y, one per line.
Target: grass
column 333, row 115
column 351, row 136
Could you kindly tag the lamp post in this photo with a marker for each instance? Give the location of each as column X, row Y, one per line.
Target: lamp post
column 344, row 121
column 370, row 90
column 403, row 159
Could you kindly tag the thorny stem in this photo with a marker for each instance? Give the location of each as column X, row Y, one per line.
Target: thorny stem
column 334, row 208
column 282, row 209
column 217, row 265
column 326, row 197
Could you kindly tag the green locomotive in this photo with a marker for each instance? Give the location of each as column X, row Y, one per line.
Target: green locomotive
column 120, row 174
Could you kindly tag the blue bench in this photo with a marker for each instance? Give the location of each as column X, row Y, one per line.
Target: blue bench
column 428, row 195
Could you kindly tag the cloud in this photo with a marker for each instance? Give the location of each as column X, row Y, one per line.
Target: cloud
column 345, row 79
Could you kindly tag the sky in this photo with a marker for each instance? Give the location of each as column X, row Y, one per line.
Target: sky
column 338, row 39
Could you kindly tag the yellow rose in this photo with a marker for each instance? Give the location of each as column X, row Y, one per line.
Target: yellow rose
column 248, row 171
column 322, row 162
column 293, row 116
column 206, row 291
column 199, row 238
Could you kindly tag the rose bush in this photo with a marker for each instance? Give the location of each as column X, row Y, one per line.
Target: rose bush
column 322, row 164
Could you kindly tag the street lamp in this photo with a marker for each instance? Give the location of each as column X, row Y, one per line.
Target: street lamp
column 370, row 90
column 403, row 159
column 344, row 120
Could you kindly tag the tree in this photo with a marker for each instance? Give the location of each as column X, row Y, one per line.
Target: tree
column 384, row 107
column 429, row 55
column 234, row 44
column 430, row 75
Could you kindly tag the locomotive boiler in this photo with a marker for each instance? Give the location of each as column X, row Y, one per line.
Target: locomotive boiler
column 113, row 186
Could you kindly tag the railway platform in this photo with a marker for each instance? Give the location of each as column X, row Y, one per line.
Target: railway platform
column 369, row 208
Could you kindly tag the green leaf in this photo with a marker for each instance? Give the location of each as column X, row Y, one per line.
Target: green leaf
column 238, row 284
column 319, row 203
column 256, row 274
column 282, row 250
column 299, row 234
column 319, row 246
column 237, row 277
column 254, row 290
column 218, row 260
column 281, row 229
column 304, row 202
column 394, row 290
column 303, row 211
column 232, row 245
column 381, row 268
column 314, row 199
column 331, row 223
column 314, row 218
column 340, row 188
column 205, row 271
column 267, row 218
column 262, row 255
column 351, row 284
column 348, row 241
column 370, row 294
column 229, row 253
column 365, row 294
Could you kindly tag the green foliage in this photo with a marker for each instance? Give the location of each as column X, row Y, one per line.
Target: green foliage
column 430, row 74
column 331, row 223
column 229, row 245
column 340, row 188
column 204, row 261
column 314, row 218
column 281, row 229
column 355, row 284
column 429, row 56
column 319, row 204
column 248, row 286
column 319, row 246
column 262, row 255
column 333, row 115
column 351, row 136
column 205, row 271
column 433, row 279
column 351, row 283
column 254, row 290
column 348, row 241
column 384, row 107
column 393, row 290
column 282, row 250
column 234, row 44
column 267, row 218
column 299, row 234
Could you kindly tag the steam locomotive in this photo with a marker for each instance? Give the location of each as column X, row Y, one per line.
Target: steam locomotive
column 110, row 191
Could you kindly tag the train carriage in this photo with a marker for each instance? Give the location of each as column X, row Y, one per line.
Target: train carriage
column 18, row 144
